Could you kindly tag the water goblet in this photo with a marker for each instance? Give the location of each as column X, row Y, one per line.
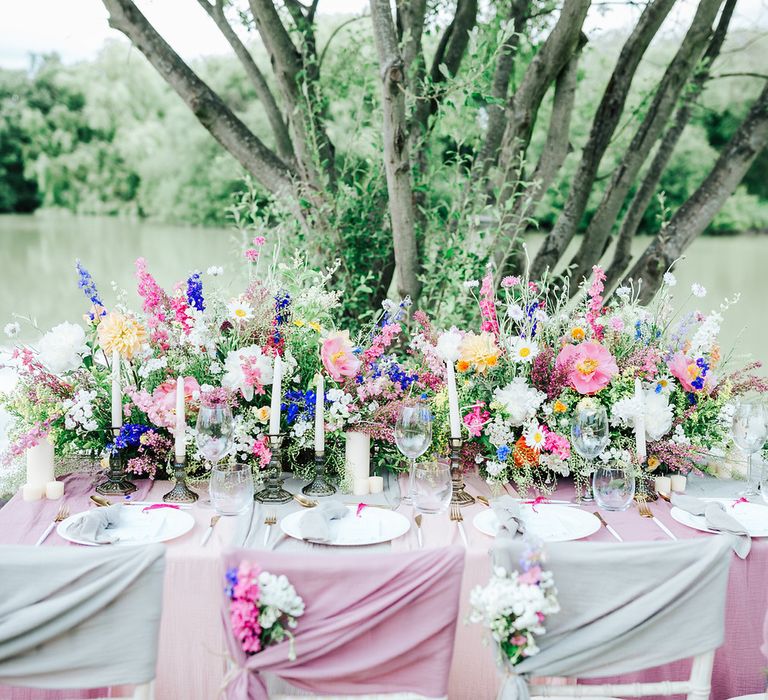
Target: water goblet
column 213, row 430
column 413, row 436
column 432, row 486
column 590, row 435
column 749, row 431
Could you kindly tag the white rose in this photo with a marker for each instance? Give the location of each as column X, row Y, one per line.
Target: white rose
column 63, row 347
column 519, row 400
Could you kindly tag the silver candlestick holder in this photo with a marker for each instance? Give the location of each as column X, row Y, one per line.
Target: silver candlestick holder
column 319, row 485
column 180, row 493
column 459, row 495
column 117, row 483
column 273, row 491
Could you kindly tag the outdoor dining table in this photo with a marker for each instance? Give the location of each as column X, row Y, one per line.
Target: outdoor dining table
column 192, row 661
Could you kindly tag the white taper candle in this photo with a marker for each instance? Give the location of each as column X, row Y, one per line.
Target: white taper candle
column 117, row 392
column 453, row 401
column 180, row 448
column 277, row 391
column 640, row 421
column 320, row 415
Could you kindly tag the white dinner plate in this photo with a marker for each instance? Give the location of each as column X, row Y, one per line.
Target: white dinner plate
column 753, row 516
column 371, row 526
column 550, row 523
column 138, row 526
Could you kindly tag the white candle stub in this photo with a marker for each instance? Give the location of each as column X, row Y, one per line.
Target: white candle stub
column 678, row 483
column 376, row 484
column 40, row 464
column 358, row 454
column 32, row 492
column 54, row 490
column 361, row 487
column 663, row 484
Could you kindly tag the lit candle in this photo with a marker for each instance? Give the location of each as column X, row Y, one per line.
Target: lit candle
column 117, row 393
column 320, row 415
column 453, row 401
column 181, row 450
column 274, row 411
column 640, row 421
column 54, row 490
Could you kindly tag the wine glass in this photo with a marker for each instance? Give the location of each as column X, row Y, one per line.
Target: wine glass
column 231, row 488
column 589, row 435
column 749, row 432
column 213, row 432
column 432, row 486
column 413, row 436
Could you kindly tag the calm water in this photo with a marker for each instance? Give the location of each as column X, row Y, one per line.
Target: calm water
column 38, row 279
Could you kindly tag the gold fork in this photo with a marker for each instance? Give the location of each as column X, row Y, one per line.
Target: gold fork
column 458, row 518
column 63, row 514
column 209, row 531
column 269, row 521
column 645, row 512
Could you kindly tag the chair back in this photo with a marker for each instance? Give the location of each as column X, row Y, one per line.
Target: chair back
column 85, row 617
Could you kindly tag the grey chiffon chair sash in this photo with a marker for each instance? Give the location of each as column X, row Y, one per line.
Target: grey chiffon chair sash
column 624, row 607
column 79, row 617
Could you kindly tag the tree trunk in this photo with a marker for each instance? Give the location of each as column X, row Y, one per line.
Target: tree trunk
column 205, row 104
column 396, row 159
column 622, row 256
column 671, row 86
column 698, row 211
column 605, row 121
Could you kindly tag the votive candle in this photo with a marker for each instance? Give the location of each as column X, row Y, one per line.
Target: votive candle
column 54, row 490
column 663, row 484
column 32, row 492
column 678, row 483
column 361, row 487
column 376, row 484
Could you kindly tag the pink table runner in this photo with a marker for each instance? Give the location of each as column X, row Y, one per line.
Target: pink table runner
column 192, row 661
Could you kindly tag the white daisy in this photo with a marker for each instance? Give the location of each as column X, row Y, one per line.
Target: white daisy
column 516, row 312
column 522, row 349
column 698, row 291
column 239, row 310
column 535, row 437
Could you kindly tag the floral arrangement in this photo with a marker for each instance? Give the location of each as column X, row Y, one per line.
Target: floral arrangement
column 513, row 606
column 263, row 608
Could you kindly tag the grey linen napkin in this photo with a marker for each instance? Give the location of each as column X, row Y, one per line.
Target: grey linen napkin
column 94, row 526
column 507, row 511
column 315, row 524
column 716, row 518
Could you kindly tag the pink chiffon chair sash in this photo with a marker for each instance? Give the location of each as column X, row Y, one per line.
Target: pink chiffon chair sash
column 372, row 623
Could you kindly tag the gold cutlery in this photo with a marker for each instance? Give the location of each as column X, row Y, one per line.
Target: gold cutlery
column 63, row 514
column 645, row 512
column 269, row 521
column 457, row 517
column 417, row 520
column 483, row 500
column 664, row 496
column 304, row 501
column 100, row 501
column 209, row 531
column 608, row 527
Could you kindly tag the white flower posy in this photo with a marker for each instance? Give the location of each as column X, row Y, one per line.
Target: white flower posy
column 63, row 348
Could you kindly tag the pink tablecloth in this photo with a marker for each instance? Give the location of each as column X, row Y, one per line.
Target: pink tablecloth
column 192, row 660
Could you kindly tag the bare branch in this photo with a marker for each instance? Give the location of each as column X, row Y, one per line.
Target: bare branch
column 205, row 104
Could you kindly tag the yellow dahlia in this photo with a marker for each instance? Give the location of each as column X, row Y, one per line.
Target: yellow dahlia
column 122, row 333
column 478, row 351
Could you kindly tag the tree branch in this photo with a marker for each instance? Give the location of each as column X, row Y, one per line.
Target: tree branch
column 604, row 124
column 670, row 87
column 697, row 212
column 267, row 99
column 396, row 159
column 205, row 104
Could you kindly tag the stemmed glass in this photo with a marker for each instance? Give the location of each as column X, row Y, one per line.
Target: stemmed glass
column 413, row 436
column 749, row 432
column 589, row 435
column 213, row 433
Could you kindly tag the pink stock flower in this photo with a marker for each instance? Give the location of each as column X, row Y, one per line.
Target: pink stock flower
column 488, row 306
column 510, row 281
column 591, row 366
column 685, row 370
column 262, row 451
column 155, row 303
column 381, row 342
column 338, row 359
column 251, row 254
column 180, row 308
column 595, row 305
column 476, row 419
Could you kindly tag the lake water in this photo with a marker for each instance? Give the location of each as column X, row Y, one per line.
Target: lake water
column 38, row 278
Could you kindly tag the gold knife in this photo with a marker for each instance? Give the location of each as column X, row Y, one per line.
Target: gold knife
column 417, row 519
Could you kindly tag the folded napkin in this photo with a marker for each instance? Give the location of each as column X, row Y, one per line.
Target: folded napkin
column 315, row 525
column 507, row 510
column 95, row 525
column 716, row 518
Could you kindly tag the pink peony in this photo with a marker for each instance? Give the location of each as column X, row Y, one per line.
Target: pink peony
column 338, row 359
column 163, row 412
column 685, row 370
column 591, row 366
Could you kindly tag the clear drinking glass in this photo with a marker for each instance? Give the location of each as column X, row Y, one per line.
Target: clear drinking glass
column 589, row 434
column 432, row 487
column 613, row 486
column 413, row 436
column 749, row 432
column 231, row 488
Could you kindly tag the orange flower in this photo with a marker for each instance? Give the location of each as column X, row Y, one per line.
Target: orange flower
column 525, row 456
column 653, row 463
column 559, row 407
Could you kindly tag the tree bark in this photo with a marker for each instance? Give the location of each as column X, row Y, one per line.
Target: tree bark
column 604, row 124
column 266, row 167
column 267, row 99
column 671, row 86
column 622, row 255
column 697, row 212
column 396, row 159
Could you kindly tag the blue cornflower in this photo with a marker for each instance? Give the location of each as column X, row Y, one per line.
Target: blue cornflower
column 232, row 581
column 398, row 376
column 195, row 292
column 502, row 453
column 86, row 283
column 299, row 404
column 129, row 436
column 692, row 399
column 638, row 330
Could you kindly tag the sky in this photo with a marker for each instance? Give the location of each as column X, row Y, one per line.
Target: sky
column 76, row 29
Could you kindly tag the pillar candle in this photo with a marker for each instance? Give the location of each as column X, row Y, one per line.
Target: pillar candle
column 320, row 415
column 180, row 448
column 360, row 487
column 678, row 483
column 117, row 393
column 453, row 401
column 640, row 421
column 277, row 391
column 376, row 484
column 32, row 492
column 40, row 463
column 663, row 484
column 54, row 490
column 358, row 454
